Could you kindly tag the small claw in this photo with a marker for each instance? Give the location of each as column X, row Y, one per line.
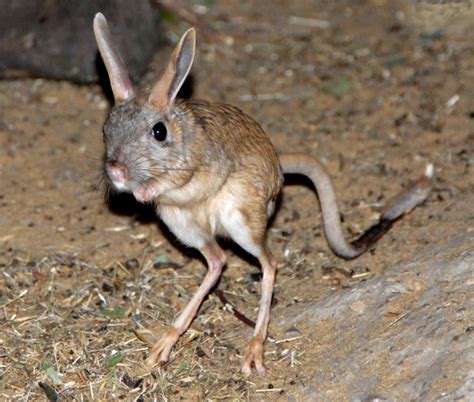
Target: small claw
column 162, row 349
column 254, row 355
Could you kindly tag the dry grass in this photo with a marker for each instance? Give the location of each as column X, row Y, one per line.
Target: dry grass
column 72, row 330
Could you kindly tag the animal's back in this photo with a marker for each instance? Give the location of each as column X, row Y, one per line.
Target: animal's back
column 242, row 140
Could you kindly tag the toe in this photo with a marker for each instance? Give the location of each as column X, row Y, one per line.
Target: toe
column 261, row 370
column 254, row 355
column 151, row 361
column 246, row 370
column 154, row 354
column 162, row 349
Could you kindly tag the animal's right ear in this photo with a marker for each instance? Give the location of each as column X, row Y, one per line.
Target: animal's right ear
column 165, row 90
column 122, row 87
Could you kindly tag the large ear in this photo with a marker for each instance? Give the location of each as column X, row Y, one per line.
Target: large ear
column 165, row 90
column 119, row 79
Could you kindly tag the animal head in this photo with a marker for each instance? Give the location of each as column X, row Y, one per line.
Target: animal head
column 145, row 137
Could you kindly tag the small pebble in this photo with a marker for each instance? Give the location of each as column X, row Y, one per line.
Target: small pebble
column 335, row 282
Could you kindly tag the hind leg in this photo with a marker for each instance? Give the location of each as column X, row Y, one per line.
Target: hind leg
column 216, row 259
column 255, row 349
column 250, row 234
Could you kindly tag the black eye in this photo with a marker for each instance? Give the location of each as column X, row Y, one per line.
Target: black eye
column 159, row 131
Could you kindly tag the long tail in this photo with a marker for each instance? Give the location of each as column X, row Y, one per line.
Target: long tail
column 403, row 203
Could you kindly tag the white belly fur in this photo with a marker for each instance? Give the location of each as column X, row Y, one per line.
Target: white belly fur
column 198, row 225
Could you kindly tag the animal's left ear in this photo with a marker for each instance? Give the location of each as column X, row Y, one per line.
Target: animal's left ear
column 165, row 90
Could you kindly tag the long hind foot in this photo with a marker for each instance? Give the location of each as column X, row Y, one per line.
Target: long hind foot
column 162, row 349
column 254, row 355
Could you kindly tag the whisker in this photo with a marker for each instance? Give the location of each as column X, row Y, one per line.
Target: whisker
column 186, row 169
column 87, row 173
column 69, row 157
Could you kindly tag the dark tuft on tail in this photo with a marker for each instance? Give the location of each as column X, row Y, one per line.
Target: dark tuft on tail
column 373, row 234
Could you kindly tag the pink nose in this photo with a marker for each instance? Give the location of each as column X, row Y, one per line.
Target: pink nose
column 116, row 172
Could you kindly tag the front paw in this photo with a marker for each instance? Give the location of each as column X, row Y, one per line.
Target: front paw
column 162, row 349
column 149, row 193
column 254, row 355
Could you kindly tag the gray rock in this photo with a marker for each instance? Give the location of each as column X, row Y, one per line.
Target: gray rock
column 405, row 335
column 54, row 39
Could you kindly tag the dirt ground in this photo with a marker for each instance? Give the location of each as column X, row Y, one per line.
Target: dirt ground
column 374, row 89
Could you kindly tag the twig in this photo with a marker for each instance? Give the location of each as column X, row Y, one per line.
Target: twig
column 269, row 390
column 399, row 318
column 20, row 295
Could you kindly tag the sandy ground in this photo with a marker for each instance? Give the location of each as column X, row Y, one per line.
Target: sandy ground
column 375, row 90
